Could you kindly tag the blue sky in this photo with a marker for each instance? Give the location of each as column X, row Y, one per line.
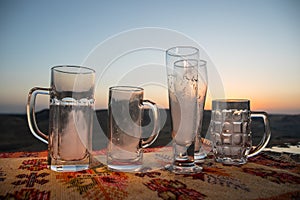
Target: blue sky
column 254, row 45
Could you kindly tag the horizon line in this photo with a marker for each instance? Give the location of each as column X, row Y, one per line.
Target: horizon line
column 102, row 109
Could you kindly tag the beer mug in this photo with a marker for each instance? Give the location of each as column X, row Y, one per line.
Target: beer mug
column 230, row 128
column 125, row 147
column 70, row 120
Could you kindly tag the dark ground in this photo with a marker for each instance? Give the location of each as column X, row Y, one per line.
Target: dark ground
column 15, row 134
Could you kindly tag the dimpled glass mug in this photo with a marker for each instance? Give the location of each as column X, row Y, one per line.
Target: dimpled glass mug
column 230, row 128
column 70, row 119
column 125, row 110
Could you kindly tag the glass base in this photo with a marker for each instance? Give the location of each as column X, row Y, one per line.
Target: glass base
column 231, row 161
column 68, row 168
column 184, row 169
column 125, row 168
column 200, row 155
column 132, row 164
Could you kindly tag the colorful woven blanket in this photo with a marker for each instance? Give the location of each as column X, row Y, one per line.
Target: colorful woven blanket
column 266, row 176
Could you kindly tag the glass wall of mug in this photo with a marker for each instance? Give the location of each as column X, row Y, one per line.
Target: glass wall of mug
column 230, row 129
column 70, row 120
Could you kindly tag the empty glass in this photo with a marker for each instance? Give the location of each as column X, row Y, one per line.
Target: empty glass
column 71, row 116
column 184, row 53
column 183, row 95
column 125, row 147
column 230, row 129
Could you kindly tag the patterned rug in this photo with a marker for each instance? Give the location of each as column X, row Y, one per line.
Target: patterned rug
column 266, row 176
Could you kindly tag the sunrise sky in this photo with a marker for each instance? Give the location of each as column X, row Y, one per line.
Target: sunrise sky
column 253, row 45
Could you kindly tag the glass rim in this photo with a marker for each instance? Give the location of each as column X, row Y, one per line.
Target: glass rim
column 191, row 63
column 125, row 88
column 68, row 69
column 171, row 51
column 202, row 63
column 231, row 100
column 220, row 104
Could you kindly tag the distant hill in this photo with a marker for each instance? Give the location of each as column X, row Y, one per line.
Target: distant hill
column 15, row 134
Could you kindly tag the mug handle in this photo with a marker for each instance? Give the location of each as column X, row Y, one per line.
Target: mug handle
column 267, row 134
column 156, row 128
column 31, row 112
